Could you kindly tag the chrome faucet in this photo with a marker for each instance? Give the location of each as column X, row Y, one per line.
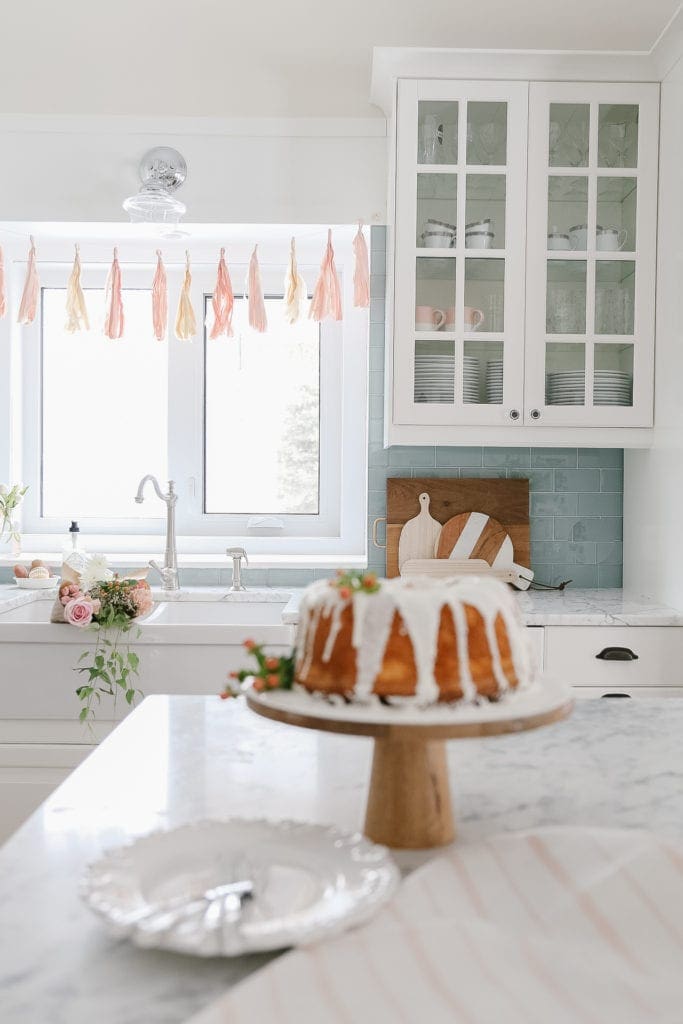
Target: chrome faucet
column 237, row 554
column 168, row 571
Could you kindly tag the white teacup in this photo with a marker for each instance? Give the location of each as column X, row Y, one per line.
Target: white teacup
column 474, row 318
column 610, row 239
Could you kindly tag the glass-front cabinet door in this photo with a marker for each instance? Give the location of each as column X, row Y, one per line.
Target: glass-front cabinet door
column 459, row 252
column 591, row 246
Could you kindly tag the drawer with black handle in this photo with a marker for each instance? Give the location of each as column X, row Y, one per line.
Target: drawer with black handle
column 615, row 656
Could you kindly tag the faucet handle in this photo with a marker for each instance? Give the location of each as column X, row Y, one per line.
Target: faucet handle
column 237, row 553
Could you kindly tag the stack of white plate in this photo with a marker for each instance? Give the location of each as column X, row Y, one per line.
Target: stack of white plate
column 494, row 381
column 565, row 387
column 612, row 387
column 435, row 378
column 470, row 385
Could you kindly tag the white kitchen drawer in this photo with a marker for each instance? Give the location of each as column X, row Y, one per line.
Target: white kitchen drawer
column 536, row 644
column 644, row 692
column 571, row 654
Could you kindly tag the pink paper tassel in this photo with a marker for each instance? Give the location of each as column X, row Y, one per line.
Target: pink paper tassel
column 113, row 301
column 222, row 301
column 76, row 312
column 326, row 301
column 159, row 300
column 258, row 320
column 3, row 293
column 185, row 321
column 361, row 271
column 31, row 293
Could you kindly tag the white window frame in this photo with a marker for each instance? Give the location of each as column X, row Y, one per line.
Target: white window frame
column 339, row 529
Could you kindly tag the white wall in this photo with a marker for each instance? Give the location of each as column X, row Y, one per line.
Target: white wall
column 243, row 170
column 653, row 479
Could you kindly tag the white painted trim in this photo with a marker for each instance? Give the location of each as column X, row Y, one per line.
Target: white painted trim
column 667, row 49
column 392, row 62
column 235, row 127
column 520, row 436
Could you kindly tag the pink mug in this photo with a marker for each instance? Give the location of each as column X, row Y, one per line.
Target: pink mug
column 429, row 319
column 473, row 318
column 450, row 319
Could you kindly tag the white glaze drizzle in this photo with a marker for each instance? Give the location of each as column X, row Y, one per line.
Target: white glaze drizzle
column 419, row 603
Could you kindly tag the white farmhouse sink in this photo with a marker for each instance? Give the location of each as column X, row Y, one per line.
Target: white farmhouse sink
column 213, row 613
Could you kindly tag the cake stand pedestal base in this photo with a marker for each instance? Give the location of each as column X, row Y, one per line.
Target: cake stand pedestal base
column 409, row 803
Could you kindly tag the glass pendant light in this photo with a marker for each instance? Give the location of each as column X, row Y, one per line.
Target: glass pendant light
column 162, row 171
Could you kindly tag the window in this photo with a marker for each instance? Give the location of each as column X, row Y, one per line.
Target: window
column 264, row 435
column 263, row 393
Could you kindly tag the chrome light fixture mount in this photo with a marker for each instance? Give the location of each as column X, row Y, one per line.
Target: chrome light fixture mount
column 162, row 171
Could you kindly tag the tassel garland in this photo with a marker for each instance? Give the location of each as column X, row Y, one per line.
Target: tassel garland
column 222, row 301
column 31, row 293
column 76, row 312
column 185, row 321
column 258, row 320
column 113, row 301
column 361, row 272
column 295, row 288
column 3, row 293
column 160, row 300
column 326, row 301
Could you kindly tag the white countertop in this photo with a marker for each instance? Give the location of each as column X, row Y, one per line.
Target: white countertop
column 572, row 607
column 175, row 759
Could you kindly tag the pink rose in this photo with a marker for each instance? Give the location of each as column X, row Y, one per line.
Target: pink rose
column 79, row 612
column 142, row 599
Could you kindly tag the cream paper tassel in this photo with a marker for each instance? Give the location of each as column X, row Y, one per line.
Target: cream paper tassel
column 76, row 312
column 295, row 288
column 185, row 321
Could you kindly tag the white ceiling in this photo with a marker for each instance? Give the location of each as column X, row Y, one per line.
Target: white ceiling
column 271, row 57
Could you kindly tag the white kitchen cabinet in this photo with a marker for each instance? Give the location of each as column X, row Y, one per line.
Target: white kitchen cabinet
column 591, row 254
column 523, row 262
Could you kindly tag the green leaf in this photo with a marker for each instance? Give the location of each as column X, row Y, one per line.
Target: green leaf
column 130, row 696
column 133, row 660
column 83, row 714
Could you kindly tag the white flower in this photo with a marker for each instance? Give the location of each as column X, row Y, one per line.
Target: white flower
column 96, row 571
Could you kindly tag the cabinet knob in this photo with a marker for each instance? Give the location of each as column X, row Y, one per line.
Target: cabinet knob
column 603, row 695
column 617, row 654
column 535, row 414
column 514, row 414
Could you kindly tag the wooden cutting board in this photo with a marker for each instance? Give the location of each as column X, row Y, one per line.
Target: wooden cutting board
column 473, row 535
column 507, row 501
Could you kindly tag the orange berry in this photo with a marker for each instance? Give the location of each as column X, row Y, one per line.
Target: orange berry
column 225, row 694
column 369, row 579
column 272, row 664
column 250, row 644
column 273, row 681
column 345, row 593
column 259, row 685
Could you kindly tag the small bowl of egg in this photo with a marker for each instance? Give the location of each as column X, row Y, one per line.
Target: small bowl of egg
column 36, row 576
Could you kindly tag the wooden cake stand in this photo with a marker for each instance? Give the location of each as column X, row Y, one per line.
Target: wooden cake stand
column 409, row 802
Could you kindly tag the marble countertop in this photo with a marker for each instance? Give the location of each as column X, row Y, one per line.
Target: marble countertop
column 176, row 759
column 539, row 608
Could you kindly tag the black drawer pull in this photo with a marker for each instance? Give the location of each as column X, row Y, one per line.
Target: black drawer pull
column 603, row 695
column 617, row 654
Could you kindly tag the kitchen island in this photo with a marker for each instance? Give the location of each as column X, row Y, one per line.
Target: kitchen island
column 178, row 759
